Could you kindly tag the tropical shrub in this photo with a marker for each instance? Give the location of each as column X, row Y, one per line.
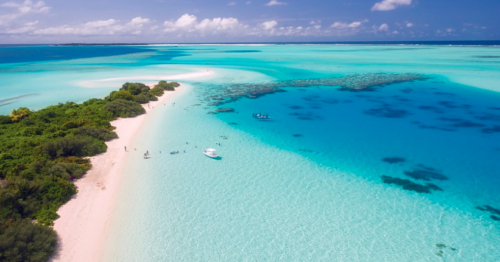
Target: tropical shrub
column 124, row 108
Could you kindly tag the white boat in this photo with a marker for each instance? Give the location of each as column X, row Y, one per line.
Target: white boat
column 210, row 152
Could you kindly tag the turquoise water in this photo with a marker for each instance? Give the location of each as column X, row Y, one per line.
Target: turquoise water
column 307, row 184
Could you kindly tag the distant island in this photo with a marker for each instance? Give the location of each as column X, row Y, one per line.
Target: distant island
column 429, row 43
column 98, row 44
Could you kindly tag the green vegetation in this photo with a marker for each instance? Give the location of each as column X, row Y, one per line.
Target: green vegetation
column 168, row 86
column 41, row 152
column 139, row 92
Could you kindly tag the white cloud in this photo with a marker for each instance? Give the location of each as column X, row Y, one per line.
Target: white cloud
column 21, row 9
column 340, row 25
column 354, row 24
column 387, row 5
column 231, row 3
column 98, row 27
column 218, row 24
column 409, row 24
column 26, row 28
column 28, row 7
column 275, row 2
column 269, row 25
column 383, row 27
column 188, row 24
column 139, row 21
column 248, row 2
column 450, row 30
column 185, row 21
column 100, row 23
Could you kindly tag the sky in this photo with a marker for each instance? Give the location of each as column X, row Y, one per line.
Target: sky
column 205, row 21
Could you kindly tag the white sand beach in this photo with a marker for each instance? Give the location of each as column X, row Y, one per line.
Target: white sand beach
column 99, row 83
column 84, row 219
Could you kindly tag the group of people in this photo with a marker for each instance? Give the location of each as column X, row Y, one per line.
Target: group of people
column 146, row 155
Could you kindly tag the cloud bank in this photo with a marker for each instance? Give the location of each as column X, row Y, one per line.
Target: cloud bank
column 275, row 2
column 387, row 5
column 98, row 27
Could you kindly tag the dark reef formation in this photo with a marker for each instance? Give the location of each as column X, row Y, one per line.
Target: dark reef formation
column 491, row 130
column 393, row 160
column 306, row 116
column 425, row 173
column 489, row 117
column 490, row 209
column 444, row 94
column 495, row 213
column 387, row 112
column 409, row 185
column 453, row 105
column 435, row 127
column 432, row 109
column 456, row 122
column 357, row 82
column 222, row 94
column 433, row 187
column 406, row 90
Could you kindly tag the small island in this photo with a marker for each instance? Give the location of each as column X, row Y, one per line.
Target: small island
column 41, row 154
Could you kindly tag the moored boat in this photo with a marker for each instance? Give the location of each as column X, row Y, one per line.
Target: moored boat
column 210, row 152
column 260, row 116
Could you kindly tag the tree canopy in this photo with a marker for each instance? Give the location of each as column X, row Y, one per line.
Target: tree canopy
column 41, row 153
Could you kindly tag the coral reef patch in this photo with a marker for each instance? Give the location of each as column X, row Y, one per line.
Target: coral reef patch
column 491, row 130
column 387, row 112
column 409, row 185
column 490, row 209
column 393, row 160
column 425, row 173
column 495, row 213
column 221, row 94
column 432, row 109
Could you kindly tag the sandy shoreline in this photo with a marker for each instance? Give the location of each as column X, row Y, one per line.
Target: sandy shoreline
column 84, row 220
